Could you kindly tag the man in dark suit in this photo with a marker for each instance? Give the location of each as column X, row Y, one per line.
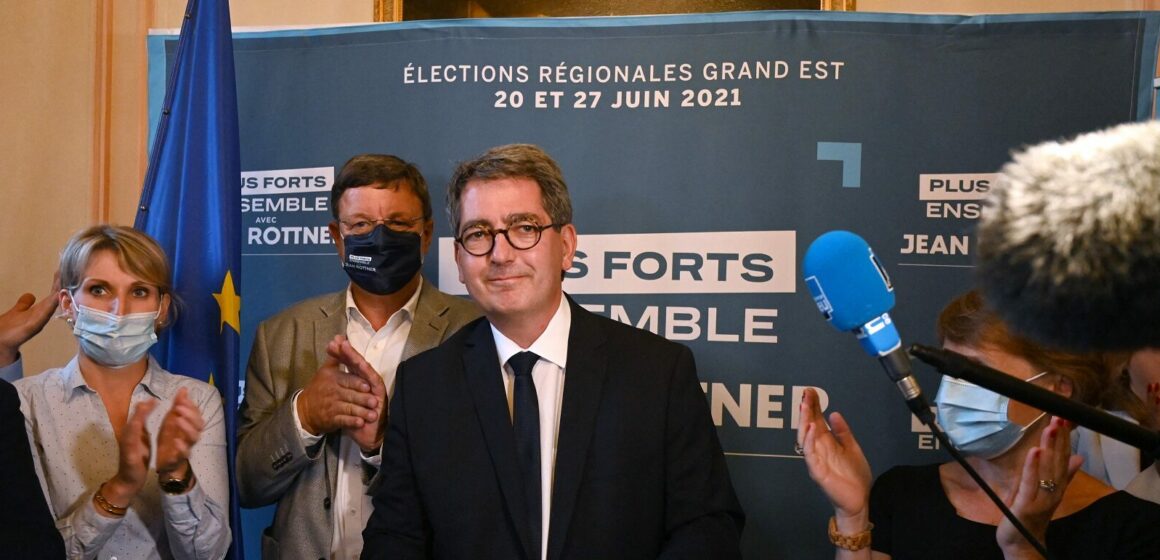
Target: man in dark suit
column 26, row 529
column 543, row 431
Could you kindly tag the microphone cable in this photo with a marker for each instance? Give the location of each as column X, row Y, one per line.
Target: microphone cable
column 962, row 461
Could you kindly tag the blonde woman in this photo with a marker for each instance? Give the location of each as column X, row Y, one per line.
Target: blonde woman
column 131, row 457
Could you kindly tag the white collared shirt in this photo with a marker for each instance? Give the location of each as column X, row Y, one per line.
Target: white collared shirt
column 548, row 376
column 383, row 349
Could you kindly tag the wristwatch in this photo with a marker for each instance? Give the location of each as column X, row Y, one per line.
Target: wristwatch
column 178, row 485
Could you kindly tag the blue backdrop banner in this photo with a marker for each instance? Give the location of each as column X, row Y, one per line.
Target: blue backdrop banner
column 704, row 154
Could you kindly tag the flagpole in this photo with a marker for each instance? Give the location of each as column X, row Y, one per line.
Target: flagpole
column 163, row 120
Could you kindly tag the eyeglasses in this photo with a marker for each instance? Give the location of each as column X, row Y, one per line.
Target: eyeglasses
column 480, row 240
column 364, row 226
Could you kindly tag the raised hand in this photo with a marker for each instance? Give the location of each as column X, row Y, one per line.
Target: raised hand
column 836, row 463
column 180, row 430
column 23, row 321
column 369, row 436
column 1047, row 470
column 336, row 400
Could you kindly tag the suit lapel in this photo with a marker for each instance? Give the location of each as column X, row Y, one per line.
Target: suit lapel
column 583, row 381
column 331, row 322
column 429, row 322
column 481, row 366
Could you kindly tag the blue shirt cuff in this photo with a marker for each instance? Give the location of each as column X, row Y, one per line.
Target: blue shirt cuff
column 13, row 371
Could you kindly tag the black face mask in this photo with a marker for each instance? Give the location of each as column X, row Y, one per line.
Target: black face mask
column 382, row 261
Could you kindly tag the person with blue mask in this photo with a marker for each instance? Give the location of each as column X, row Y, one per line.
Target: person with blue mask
column 131, row 457
column 938, row 511
column 322, row 370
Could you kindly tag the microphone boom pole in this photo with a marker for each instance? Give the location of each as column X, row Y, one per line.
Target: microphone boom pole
column 956, row 365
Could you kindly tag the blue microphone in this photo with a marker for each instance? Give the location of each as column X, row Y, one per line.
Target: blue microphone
column 855, row 294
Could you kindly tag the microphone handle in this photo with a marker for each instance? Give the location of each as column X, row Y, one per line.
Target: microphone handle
column 957, row 365
column 897, row 366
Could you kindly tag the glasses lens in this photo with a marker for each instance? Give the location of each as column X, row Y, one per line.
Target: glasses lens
column 400, row 226
column 359, row 227
column 363, row 227
column 476, row 241
column 524, row 236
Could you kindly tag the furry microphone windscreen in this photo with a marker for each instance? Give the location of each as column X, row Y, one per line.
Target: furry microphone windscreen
column 1069, row 241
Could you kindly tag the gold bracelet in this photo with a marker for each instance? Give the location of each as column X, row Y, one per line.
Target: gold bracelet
column 857, row 541
column 108, row 507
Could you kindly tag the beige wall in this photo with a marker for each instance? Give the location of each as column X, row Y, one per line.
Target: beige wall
column 47, row 51
column 73, row 115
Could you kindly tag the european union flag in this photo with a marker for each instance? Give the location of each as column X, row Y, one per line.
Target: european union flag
column 191, row 203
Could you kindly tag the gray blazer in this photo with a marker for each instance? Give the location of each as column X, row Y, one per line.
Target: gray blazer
column 272, row 463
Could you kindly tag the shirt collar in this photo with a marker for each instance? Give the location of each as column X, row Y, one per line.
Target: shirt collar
column 552, row 344
column 158, row 385
column 354, row 314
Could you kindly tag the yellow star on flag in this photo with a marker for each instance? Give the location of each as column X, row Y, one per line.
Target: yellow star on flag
column 231, row 305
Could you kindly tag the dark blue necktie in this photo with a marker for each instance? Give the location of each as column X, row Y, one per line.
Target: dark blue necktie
column 526, row 421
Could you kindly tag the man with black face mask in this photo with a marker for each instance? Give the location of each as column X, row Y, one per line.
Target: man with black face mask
column 320, row 372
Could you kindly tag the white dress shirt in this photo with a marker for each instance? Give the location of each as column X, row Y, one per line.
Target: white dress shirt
column 548, row 377
column 383, row 349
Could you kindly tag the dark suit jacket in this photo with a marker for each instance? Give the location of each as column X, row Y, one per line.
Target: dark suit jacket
column 27, row 529
column 272, row 463
column 639, row 471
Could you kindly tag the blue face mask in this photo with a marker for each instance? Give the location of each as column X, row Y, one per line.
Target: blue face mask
column 975, row 419
column 382, row 261
column 113, row 340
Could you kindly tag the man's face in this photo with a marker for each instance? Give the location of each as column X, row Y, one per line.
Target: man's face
column 511, row 284
column 397, row 207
